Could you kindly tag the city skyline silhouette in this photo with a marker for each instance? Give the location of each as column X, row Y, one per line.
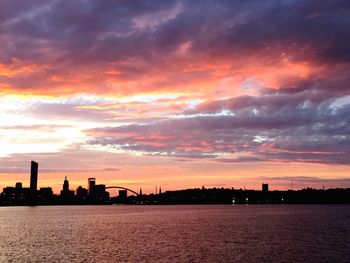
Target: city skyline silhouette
column 99, row 194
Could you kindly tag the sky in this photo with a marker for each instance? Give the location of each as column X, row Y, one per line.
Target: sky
column 177, row 94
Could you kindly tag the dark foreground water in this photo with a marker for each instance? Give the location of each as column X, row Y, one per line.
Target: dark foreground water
column 251, row 233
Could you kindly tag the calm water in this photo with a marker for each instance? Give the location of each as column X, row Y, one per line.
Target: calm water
column 175, row 234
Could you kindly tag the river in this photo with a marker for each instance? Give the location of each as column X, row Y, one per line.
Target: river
column 198, row 233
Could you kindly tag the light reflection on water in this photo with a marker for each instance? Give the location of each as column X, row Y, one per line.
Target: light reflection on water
column 215, row 233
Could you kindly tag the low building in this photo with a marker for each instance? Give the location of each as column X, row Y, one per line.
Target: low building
column 265, row 188
column 82, row 193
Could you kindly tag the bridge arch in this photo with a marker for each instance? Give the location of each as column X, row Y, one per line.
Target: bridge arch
column 124, row 188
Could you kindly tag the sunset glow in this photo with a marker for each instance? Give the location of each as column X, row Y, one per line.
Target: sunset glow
column 177, row 94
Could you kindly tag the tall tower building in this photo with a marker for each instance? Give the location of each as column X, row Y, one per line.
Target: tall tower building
column 65, row 184
column 34, row 176
column 91, row 185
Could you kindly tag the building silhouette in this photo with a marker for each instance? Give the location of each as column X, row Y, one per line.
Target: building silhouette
column 123, row 195
column 45, row 194
column 34, row 177
column 18, row 185
column 97, row 192
column 265, row 188
column 82, row 193
column 66, row 194
column 91, row 185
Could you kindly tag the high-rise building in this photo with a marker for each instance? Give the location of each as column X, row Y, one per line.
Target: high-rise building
column 18, row 185
column 91, row 185
column 65, row 184
column 34, row 176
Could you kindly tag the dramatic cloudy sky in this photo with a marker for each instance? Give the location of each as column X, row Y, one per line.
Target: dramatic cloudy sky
column 176, row 93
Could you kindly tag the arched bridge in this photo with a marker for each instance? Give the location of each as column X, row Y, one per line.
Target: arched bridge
column 120, row 187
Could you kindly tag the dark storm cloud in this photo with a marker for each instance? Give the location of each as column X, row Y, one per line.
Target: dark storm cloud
column 78, row 30
column 98, row 34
